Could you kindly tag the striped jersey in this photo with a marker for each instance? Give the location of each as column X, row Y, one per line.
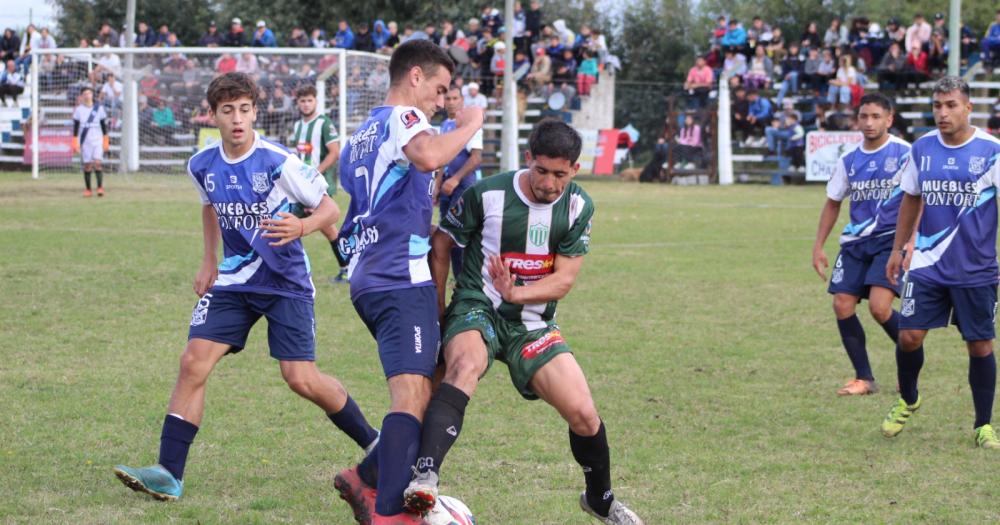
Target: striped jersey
column 311, row 138
column 244, row 191
column 957, row 235
column 871, row 180
column 495, row 217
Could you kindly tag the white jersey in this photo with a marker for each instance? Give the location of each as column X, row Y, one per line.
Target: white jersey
column 90, row 118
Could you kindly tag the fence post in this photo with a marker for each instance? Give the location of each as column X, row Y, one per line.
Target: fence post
column 36, row 113
column 725, row 135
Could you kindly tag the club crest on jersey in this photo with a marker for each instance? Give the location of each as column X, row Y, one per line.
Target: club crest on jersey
column 260, row 181
column 977, row 165
column 410, row 118
column 538, row 234
column 891, row 164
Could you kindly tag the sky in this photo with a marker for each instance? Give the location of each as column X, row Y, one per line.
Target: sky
column 17, row 13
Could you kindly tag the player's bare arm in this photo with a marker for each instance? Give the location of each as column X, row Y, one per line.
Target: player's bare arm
column 290, row 227
column 552, row 287
column 827, row 218
column 473, row 162
column 209, row 269
column 441, row 244
column 429, row 152
column 909, row 212
column 331, row 157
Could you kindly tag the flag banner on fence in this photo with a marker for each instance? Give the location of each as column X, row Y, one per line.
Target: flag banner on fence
column 54, row 145
column 588, row 151
column 824, row 148
column 604, row 157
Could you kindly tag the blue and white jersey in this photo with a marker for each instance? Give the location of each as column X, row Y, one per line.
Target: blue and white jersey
column 871, row 180
column 957, row 236
column 463, row 156
column 244, row 191
column 386, row 231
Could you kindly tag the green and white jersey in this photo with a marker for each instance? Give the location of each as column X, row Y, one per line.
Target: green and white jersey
column 311, row 139
column 495, row 217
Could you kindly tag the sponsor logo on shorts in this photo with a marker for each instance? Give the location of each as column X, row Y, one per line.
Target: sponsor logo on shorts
column 418, row 345
column 529, row 267
column 200, row 313
column 410, row 119
column 908, row 308
column 540, row 346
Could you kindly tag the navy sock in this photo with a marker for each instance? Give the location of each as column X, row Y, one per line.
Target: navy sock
column 353, row 423
column 175, row 440
column 593, row 454
column 86, row 179
column 100, row 178
column 368, row 468
column 983, row 381
column 398, row 447
column 442, row 424
column 891, row 327
column 908, row 365
column 853, row 336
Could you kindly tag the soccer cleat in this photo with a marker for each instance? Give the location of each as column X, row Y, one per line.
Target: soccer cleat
column 341, row 277
column 155, row 481
column 618, row 514
column 986, row 437
column 100, row 192
column 357, row 494
column 87, row 193
column 898, row 416
column 858, row 387
column 421, row 495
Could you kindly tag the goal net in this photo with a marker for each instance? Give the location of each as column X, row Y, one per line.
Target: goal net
column 159, row 121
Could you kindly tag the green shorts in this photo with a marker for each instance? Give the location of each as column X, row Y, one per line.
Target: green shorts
column 524, row 351
column 331, row 181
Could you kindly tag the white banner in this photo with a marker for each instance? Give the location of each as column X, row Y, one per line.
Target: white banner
column 824, row 148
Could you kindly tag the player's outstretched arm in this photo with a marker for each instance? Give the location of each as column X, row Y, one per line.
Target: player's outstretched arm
column 552, row 287
column 827, row 218
column 441, row 245
column 909, row 212
column 209, row 269
column 429, row 152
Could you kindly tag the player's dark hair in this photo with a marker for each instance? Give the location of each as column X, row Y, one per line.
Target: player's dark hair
column 878, row 99
column 952, row 83
column 229, row 87
column 424, row 54
column 85, row 89
column 307, row 90
column 555, row 139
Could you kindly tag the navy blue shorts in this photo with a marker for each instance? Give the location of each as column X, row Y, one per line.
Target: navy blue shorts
column 973, row 310
column 862, row 265
column 405, row 325
column 226, row 317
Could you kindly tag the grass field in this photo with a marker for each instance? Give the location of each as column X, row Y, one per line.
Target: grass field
column 709, row 343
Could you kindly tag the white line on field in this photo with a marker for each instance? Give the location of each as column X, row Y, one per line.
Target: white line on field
column 99, row 230
column 669, row 244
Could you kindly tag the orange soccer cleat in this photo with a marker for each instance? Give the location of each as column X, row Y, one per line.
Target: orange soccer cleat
column 858, row 387
column 87, row 193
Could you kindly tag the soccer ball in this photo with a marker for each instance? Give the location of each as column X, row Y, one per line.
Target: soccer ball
column 450, row 511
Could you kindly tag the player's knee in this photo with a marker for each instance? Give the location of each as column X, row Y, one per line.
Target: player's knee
column 843, row 305
column 980, row 348
column 465, row 368
column 582, row 418
column 910, row 340
column 300, row 381
column 880, row 312
column 194, row 367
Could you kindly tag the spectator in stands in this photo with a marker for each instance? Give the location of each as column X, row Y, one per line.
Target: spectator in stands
column 144, row 36
column 894, row 32
column 317, row 39
column 758, row 115
column 776, row 46
column 28, row 41
column 735, row 37
column 792, row 68
column 201, row 117
column 491, row 18
column 937, row 53
column 826, row 71
column 474, row 98
column 161, row 35
column 689, row 148
column 298, row 38
column 226, row 63
column 836, row 35
column 106, row 36
column 172, row 41
column 279, row 111
column 843, row 83
column 758, row 32
column 430, row 32
column 393, row 41
column 163, row 123
column 797, row 142
column 940, row 26
column 555, row 48
column 700, row 81
column 10, row 44
column 761, row 70
column 45, row 41
column 363, row 40
column 917, row 68
column 565, row 75
column 993, row 124
column 586, row 73
column 344, row 38
column 235, row 36
column 991, row 42
column 969, row 43
column 211, row 37
column 11, row 84
column 263, row 37
column 810, row 38
column 247, row 63
column 380, row 36
column 449, row 35
column 111, row 95
column 735, row 64
column 919, row 33
column 378, row 79
column 541, row 71
column 810, row 77
column 891, row 71
column 533, row 21
column 739, row 110
column 521, row 39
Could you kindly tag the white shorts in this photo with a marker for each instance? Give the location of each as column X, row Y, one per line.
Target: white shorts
column 90, row 152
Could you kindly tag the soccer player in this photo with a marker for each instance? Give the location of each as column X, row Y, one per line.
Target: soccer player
column 525, row 234
column 317, row 144
column 248, row 187
column 869, row 175
column 90, row 138
column 386, row 169
column 953, row 174
column 462, row 172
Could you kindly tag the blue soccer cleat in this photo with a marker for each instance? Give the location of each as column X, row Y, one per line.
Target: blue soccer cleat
column 155, row 481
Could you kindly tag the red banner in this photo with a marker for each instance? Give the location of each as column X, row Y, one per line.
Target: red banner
column 604, row 157
column 55, row 147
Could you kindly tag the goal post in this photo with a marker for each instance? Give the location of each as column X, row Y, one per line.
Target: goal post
column 167, row 95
